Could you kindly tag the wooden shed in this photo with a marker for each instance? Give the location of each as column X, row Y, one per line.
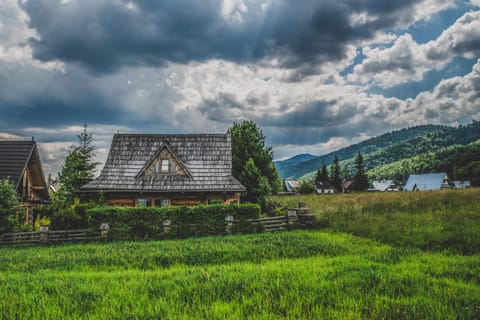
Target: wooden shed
column 168, row 169
column 20, row 163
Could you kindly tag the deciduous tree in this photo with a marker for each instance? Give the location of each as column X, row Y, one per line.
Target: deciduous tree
column 248, row 143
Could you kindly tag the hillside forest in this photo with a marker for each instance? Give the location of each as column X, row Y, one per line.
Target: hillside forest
column 396, row 155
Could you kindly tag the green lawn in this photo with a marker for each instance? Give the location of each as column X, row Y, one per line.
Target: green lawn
column 297, row 275
column 434, row 221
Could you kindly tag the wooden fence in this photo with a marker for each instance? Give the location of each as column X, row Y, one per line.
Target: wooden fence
column 44, row 237
column 294, row 219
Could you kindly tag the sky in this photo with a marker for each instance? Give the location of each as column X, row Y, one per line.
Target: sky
column 315, row 76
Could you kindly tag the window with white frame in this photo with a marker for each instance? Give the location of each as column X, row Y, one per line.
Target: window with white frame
column 164, row 165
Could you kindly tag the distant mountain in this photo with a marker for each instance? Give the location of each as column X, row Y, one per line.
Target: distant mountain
column 296, row 169
column 299, row 158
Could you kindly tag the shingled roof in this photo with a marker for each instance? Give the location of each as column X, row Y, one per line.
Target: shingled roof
column 15, row 156
column 206, row 160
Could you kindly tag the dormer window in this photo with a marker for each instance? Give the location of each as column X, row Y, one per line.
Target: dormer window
column 164, row 165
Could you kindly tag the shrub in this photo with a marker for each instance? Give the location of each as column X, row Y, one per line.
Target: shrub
column 10, row 212
column 306, row 186
column 148, row 222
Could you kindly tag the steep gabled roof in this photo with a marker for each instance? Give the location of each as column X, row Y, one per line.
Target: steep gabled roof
column 206, row 158
column 427, row 181
column 15, row 156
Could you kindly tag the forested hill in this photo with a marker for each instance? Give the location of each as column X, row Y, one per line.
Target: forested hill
column 392, row 147
column 461, row 162
column 289, row 169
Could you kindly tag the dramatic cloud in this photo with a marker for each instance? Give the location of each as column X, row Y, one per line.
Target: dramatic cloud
column 303, row 70
column 106, row 35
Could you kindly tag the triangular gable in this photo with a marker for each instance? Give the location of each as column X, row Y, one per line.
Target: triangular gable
column 154, row 165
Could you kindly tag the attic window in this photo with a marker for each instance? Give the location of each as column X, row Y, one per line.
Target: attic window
column 164, row 165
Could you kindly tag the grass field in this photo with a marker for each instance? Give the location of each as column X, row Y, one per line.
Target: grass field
column 434, row 221
column 312, row 274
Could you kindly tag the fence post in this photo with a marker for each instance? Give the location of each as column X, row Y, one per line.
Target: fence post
column 167, row 224
column 104, row 227
column 229, row 220
column 43, row 234
column 292, row 218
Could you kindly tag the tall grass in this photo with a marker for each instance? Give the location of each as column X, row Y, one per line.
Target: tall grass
column 295, row 275
column 436, row 220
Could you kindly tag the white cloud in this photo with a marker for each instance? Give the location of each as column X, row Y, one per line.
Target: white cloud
column 406, row 60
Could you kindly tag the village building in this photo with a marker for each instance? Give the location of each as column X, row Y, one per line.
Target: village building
column 428, row 181
column 291, row 186
column 383, row 186
column 20, row 163
column 324, row 187
column 168, row 169
column 348, row 185
column 462, row 184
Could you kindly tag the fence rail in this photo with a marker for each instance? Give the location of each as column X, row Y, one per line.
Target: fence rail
column 57, row 236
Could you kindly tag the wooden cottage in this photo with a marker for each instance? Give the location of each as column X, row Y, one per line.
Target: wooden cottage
column 20, row 163
column 168, row 169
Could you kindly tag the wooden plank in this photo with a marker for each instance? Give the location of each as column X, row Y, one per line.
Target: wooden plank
column 268, row 219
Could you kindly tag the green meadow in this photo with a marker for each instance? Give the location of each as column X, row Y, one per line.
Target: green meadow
column 359, row 262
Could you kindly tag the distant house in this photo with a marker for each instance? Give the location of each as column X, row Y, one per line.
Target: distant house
column 428, row 181
column 291, row 185
column 324, row 187
column 461, row 184
column 383, row 185
column 20, row 163
column 348, row 185
column 168, row 169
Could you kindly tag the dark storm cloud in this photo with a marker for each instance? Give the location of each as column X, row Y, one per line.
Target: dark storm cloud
column 222, row 109
column 314, row 114
column 106, row 35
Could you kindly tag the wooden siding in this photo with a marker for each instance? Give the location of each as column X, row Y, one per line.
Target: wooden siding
column 188, row 199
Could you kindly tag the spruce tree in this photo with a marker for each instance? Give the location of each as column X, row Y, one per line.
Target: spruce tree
column 78, row 167
column 360, row 176
column 335, row 174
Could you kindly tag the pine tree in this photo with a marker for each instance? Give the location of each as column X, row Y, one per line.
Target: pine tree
column 335, row 174
column 360, row 176
column 78, row 167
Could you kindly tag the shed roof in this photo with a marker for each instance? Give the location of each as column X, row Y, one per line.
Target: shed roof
column 207, row 157
column 427, row 181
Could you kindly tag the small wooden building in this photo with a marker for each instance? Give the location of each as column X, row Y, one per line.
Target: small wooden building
column 348, row 185
column 383, row 186
column 168, row 169
column 20, row 163
column 324, row 187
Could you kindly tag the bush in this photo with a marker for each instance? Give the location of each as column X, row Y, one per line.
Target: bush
column 10, row 213
column 306, row 186
column 148, row 222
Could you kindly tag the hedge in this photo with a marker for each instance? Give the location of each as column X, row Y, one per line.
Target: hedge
column 149, row 222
